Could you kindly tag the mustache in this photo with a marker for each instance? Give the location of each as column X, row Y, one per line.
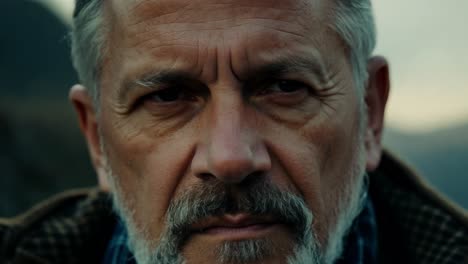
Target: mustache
column 260, row 197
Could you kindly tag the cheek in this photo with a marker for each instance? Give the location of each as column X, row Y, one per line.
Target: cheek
column 149, row 169
column 338, row 171
column 317, row 160
column 298, row 157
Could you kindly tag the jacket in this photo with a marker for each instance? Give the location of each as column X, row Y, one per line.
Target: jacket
column 415, row 224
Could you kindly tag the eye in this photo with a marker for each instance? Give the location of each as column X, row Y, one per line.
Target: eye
column 166, row 95
column 282, row 92
column 284, row 86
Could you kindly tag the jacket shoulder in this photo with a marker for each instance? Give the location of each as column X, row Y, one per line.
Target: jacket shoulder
column 58, row 230
column 414, row 219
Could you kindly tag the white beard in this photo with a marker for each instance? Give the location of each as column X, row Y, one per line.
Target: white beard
column 146, row 250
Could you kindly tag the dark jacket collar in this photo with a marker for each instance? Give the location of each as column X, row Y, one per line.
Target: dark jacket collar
column 416, row 223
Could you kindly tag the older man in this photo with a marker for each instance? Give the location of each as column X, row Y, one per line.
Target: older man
column 235, row 132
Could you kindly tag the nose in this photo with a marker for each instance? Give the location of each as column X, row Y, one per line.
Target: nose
column 231, row 149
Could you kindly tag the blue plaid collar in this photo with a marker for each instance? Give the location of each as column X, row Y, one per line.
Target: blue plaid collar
column 360, row 243
column 117, row 251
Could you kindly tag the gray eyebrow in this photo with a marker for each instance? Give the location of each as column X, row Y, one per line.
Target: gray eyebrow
column 287, row 65
column 153, row 79
column 161, row 77
column 280, row 66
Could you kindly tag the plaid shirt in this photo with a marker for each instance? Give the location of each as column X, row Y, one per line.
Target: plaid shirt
column 117, row 252
column 361, row 244
column 414, row 225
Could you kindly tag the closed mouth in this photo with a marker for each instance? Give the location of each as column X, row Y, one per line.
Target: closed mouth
column 235, row 227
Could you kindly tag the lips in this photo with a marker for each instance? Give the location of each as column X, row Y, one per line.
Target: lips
column 233, row 224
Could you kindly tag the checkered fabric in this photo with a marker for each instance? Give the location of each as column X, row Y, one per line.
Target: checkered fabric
column 74, row 230
column 431, row 234
column 361, row 244
column 117, row 251
column 414, row 225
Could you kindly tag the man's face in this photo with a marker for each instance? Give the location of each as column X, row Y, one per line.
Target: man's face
column 200, row 98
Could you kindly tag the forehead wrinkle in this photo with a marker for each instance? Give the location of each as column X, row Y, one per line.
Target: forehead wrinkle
column 156, row 32
column 220, row 19
column 153, row 15
column 163, row 71
column 305, row 54
column 166, row 18
column 289, row 65
column 180, row 33
column 157, row 42
column 145, row 9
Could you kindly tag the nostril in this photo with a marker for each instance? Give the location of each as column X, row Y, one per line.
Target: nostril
column 252, row 178
column 249, row 179
column 206, row 176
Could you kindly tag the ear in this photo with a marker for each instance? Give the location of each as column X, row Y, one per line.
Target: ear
column 377, row 90
column 87, row 118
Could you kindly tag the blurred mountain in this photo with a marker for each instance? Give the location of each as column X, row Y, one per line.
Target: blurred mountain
column 441, row 156
column 42, row 151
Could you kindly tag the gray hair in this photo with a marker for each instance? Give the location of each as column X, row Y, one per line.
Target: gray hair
column 353, row 22
column 88, row 46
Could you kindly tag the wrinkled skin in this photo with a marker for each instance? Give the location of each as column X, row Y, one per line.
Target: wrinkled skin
column 230, row 114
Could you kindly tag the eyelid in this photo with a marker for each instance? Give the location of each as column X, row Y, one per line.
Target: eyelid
column 262, row 85
column 184, row 93
column 159, row 94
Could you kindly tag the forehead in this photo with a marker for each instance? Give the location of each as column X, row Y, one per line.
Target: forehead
column 154, row 8
column 189, row 33
column 133, row 14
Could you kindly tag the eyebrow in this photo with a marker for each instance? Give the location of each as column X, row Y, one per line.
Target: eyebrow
column 163, row 77
column 154, row 78
column 278, row 67
column 289, row 65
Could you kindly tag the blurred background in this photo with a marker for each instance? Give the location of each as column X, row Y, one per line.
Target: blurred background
column 42, row 151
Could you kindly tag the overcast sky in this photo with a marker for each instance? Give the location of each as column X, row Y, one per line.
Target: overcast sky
column 426, row 42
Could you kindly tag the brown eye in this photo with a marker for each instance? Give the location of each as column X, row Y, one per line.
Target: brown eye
column 290, row 86
column 166, row 95
column 284, row 86
column 283, row 92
